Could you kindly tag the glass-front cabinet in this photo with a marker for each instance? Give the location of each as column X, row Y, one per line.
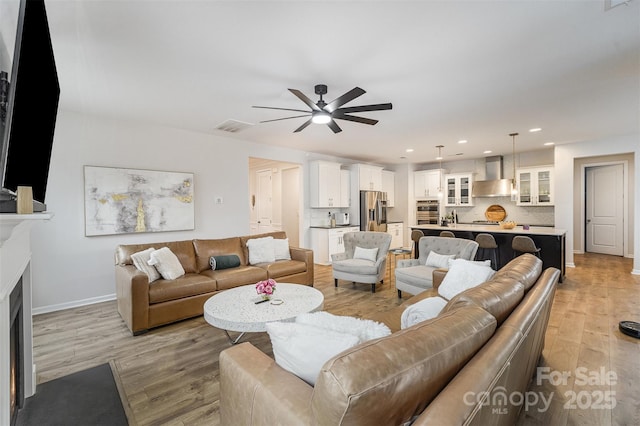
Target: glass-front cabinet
column 535, row 186
column 458, row 189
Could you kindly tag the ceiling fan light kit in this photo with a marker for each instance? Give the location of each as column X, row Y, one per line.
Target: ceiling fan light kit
column 322, row 112
column 320, row 117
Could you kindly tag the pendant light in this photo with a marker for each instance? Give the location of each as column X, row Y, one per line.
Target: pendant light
column 514, row 186
column 439, row 158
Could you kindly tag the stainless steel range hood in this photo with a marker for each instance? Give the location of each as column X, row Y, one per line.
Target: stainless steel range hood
column 494, row 185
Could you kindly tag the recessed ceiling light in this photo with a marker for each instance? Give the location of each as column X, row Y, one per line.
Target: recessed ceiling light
column 487, row 152
column 535, row 129
column 438, row 158
column 549, row 143
column 409, row 150
column 462, row 141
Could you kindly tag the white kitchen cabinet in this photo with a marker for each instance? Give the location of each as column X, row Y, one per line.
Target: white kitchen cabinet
column 345, row 189
column 535, row 186
column 388, row 186
column 396, row 232
column 458, row 189
column 369, row 177
column 325, row 185
column 328, row 241
column 426, row 183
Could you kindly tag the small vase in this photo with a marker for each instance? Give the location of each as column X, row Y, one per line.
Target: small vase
column 266, row 297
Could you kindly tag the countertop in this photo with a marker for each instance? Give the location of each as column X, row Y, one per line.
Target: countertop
column 495, row 229
column 334, row 227
column 346, row 226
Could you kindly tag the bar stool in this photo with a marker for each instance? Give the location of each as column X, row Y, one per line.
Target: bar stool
column 416, row 234
column 486, row 242
column 523, row 244
column 447, row 234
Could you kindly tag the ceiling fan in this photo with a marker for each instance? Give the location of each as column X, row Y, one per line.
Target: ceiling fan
column 326, row 113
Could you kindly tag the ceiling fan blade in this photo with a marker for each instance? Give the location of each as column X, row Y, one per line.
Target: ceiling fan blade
column 304, row 125
column 334, row 126
column 280, row 109
column 347, row 97
column 284, row 118
column 362, row 120
column 305, row 99
column 364, row 108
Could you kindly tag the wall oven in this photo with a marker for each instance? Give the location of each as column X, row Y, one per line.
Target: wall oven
column 427, row 212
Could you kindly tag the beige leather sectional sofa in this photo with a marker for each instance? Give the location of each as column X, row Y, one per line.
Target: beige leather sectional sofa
column 453, row 369
column 143, row 305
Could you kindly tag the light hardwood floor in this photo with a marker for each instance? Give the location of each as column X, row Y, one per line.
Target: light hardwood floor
column 170, row 375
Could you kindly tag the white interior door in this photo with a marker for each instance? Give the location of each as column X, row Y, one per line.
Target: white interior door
column 605, row 209
column 264, row 200
column 291, row 205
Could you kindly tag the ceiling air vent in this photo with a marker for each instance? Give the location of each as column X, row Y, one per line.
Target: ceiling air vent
column 233, row 126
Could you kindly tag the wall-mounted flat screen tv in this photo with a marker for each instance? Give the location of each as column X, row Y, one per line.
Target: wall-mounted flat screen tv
column 30, row 106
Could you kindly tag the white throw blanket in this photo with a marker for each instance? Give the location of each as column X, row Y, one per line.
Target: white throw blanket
column 422, row 311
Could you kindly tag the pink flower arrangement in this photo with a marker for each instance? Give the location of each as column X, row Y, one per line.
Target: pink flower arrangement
column 266, row 287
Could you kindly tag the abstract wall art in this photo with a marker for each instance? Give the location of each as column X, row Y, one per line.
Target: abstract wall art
column 123, row 201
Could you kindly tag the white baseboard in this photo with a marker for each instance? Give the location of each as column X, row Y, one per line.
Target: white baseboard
column 570, row 264
column 635, row 272
column 73, row 304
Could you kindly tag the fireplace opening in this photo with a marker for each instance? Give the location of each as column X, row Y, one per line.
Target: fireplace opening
column 16, row 348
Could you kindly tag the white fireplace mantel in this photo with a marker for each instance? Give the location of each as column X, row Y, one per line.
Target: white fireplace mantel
column 15, row 258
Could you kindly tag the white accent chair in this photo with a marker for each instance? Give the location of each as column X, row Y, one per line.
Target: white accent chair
column 414, row 276
column 345, row 267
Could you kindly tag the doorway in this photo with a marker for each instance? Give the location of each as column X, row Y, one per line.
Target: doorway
column 605, row 206
column 275, row 189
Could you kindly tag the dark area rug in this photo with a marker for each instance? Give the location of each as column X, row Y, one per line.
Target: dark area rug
column 88, row 397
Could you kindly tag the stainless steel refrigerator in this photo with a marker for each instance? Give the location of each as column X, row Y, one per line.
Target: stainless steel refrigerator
column 373, row 211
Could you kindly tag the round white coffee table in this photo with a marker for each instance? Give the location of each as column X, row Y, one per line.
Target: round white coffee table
column 236, row 309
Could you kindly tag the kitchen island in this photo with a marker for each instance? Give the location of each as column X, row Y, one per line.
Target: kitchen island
column 551, row 241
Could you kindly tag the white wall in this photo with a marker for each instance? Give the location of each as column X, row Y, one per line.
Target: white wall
column 70, row 269
column 9, row 10
column 565, row 156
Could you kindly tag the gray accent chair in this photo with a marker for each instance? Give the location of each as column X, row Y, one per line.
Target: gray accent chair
column 345, row 267
column 414, row 276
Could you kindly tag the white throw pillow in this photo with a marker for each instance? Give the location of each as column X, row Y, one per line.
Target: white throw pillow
column 141, row 262
column 261, row 250
column 166, row 263
column 366, row 254
column 462, row 275
column 421, row 311
column 362, row 328
column 303, row 349
column 438, row 260
column 481, row 262
column 281, row 249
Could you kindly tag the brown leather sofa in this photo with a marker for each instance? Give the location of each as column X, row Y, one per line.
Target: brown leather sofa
column 445, row 371
column 144, row 306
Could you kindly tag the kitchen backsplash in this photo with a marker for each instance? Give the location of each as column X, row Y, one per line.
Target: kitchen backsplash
column 320, row 217
column 543, row 216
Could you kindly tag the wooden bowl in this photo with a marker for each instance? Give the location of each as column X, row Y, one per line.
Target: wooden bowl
column 495, row 213
column 509, row 224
